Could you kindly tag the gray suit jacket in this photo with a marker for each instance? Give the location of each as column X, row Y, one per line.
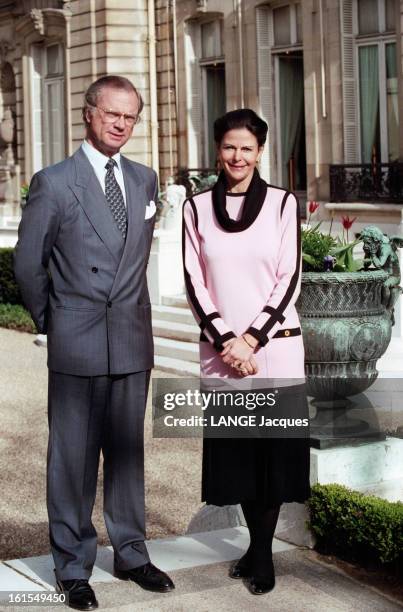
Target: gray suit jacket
column 83, row 284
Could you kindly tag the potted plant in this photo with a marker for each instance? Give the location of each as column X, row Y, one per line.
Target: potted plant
column 346, row 317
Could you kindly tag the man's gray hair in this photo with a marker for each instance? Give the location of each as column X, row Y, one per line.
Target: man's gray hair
column 114, row 81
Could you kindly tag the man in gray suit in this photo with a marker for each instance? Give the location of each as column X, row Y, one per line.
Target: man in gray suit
column 80, row 261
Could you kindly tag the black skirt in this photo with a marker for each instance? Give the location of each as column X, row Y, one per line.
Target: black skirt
column 268, row 470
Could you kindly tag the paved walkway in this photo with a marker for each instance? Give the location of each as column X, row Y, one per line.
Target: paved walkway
column 199, row 565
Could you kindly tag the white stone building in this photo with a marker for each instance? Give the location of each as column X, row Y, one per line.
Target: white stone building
column 325, row 74
column 50, row 51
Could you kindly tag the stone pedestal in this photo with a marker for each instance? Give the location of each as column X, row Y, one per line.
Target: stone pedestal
column 358, row 466
column 292, row 525
column 165, row 268
column 210, row 518
column 8, row 229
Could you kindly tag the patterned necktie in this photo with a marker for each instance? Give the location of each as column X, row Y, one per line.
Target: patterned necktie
column 114, row 197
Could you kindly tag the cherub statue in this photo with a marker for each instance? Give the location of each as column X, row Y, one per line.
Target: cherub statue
column 381, row 252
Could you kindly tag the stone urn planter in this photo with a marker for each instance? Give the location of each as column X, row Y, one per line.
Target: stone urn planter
column 346, row 328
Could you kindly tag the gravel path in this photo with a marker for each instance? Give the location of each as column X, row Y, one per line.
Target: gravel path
column 172, row 465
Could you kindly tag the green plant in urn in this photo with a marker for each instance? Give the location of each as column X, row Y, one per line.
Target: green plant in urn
column 346, row 309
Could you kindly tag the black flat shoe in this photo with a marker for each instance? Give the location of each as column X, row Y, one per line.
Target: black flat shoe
column 239, row 569
column 148, row 577
column 259, row 585
column 79, row 594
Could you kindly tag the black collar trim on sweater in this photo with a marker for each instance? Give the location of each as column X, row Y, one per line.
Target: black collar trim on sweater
column 254, row 198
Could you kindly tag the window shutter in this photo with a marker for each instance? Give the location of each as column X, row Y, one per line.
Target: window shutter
column 47, row 106
column 193, row 94
column 350, row 105
column 37, row 112
column 265, row 37
column 54, row 111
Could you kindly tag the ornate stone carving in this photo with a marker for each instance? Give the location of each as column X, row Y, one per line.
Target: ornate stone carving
column 364, row 342
column 37, row 19
column 381, row 252
column 5, row 48
column 45, row 21
column 7, row 127
column 201, row 5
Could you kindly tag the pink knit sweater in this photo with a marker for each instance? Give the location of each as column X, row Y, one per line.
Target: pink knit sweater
column 246, row 281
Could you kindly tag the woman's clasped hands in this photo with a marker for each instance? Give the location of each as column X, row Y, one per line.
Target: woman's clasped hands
column 238, row 353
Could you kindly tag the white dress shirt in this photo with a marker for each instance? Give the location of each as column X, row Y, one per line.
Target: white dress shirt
column 98, row 161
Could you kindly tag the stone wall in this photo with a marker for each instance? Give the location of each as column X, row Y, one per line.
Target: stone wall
column 166, row 90
column 111, row 37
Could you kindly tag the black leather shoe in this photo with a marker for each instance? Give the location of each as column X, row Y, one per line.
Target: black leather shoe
column 148, row 577
column 259, row 585
column 79, row 594
column 239, row 569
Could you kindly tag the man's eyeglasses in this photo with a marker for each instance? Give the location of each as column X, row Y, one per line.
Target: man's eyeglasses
column 110, row 116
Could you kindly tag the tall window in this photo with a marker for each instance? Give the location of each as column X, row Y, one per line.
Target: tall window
column 280, row 63
column 377, row 76
column 287, row 24
column 206, row 94
column 289, row 80
column 213, row 84
column 47, row 105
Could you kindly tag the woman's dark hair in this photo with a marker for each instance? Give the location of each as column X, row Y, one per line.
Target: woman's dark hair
column 241, row 118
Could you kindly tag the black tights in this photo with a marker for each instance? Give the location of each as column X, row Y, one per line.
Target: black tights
column 261, row 522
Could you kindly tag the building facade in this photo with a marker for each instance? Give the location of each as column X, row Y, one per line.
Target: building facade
column 325, row 74
column 50, row 51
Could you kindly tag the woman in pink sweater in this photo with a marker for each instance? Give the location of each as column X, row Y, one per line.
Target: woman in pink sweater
column 242, row 265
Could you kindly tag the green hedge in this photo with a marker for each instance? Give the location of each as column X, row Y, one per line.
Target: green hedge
column 357, row 527
column 9, row 292
column 14, row 316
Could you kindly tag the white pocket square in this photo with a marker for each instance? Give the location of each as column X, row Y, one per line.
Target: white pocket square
column 150, row 210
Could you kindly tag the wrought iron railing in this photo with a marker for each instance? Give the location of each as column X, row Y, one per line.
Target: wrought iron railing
column 366, row 183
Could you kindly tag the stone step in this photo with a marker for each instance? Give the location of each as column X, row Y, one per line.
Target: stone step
column 175, row 300
column 177, row 366
column 173, row 313
column 176, row 331
column 177, row 349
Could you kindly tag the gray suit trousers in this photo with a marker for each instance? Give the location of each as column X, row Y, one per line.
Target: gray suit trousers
column 87, row 415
